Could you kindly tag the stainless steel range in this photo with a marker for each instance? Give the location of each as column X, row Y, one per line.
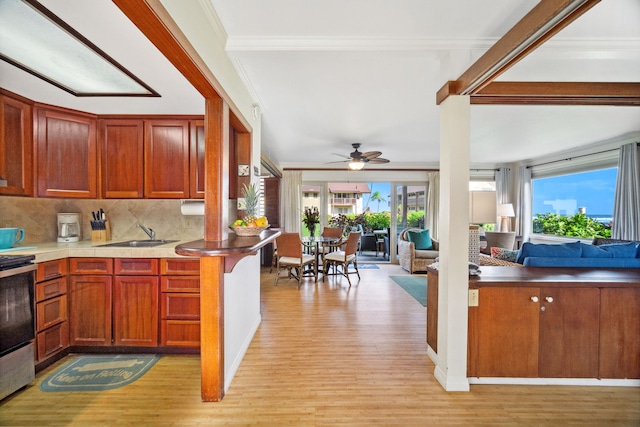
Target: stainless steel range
column 17, row 330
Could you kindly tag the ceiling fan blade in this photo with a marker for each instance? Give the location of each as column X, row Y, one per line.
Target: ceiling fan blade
column 338, row 161
column 342, row 155
column 378, row 160
column 371, row 154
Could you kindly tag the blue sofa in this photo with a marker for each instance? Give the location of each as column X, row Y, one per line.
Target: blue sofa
column 578, row 254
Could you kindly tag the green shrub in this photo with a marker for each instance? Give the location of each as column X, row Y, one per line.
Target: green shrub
column 415, row 219
column 578, row 225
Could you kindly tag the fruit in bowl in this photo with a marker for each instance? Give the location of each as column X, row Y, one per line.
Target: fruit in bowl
column 250, row 225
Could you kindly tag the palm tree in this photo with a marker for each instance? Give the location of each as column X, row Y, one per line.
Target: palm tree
column 377, row 197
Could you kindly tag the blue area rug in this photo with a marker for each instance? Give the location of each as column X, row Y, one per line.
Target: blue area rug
column 416, row 286
column 98, row 373
column 368, row 267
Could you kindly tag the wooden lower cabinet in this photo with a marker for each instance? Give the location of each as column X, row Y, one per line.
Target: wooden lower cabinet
column 569, row 332
column 619, row 332
column 90, row 314
column 508, row 330
column 141, row 302
column 52, row 340
column 51, row 315
column 135, row 311
column 180, row 303
column 536, row 332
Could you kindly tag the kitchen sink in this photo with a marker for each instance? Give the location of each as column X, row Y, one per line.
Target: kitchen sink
column 139, row 243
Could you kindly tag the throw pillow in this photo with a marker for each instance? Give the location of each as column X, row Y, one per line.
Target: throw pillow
column 504, row 254
column 421, row 239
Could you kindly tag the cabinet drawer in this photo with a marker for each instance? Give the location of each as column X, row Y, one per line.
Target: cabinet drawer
column 180, row 333
column 177, row 266
column 53, row 340
column 136, row 266
column 51, row 269
column 91, row 265
column 180, row 306
column 51, row 288
column 51, row 312
column 181, row 284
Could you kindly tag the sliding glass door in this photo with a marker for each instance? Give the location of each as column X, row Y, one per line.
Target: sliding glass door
column 409, row 202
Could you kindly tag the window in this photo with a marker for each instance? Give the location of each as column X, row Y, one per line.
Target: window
column 590, row 193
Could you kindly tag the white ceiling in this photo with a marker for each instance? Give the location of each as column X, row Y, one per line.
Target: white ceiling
column 329, row 73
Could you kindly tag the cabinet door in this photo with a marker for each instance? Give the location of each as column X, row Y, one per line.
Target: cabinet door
column 16, row 146
column 121, row 158
column 508, row 332
column 67, row 154
column 90, row 310
column 620, row 333
column 569, row 331
column 196, row 177
column 136, row 310
column 166, row 159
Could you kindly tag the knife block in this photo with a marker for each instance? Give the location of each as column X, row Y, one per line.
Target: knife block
column 101, row 235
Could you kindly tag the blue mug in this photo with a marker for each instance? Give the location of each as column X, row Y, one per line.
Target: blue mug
column 10, row 237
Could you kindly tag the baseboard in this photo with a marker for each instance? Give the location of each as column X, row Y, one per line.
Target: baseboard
column 556, row 381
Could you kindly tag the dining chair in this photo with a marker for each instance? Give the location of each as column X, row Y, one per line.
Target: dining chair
column 290, row 257
column 343, row 258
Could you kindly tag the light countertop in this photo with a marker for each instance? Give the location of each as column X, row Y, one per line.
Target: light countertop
column 50, row 251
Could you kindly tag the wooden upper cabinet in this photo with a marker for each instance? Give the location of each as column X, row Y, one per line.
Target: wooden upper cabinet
column 166, row 159
column 121, row 158
column 196, row 178
column 16, row 146
column 67, row 153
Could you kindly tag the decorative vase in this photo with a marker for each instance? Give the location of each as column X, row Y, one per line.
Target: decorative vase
column 312, row 229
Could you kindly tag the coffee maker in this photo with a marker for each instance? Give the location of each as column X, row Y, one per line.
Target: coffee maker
column 68, row 227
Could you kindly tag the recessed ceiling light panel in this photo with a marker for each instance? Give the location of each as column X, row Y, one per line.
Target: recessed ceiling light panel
column 35, row 40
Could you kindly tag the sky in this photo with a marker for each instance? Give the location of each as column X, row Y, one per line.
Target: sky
column 385, row 191
column 592, row 190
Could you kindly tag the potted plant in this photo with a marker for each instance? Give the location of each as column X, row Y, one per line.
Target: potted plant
column 310, row 219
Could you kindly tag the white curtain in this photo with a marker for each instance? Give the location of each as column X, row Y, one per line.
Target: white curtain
column 523, row 208
column 433, row 200
column 291, row 201
column 626, row 203
column 503, row 191
column 503, row 186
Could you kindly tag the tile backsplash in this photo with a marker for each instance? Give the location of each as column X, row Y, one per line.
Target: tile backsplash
column 38, row 217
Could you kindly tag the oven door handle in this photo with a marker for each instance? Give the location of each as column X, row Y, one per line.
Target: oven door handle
column 19, row 270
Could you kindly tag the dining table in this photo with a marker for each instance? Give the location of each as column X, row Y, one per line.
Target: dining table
column 313, row 245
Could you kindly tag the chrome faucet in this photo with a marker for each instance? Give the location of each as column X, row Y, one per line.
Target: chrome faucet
column 149, row 231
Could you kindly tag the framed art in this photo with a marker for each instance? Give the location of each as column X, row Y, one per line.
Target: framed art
column 243, row 170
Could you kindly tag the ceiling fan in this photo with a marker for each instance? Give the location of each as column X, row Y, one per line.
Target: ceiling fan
column 357, row 159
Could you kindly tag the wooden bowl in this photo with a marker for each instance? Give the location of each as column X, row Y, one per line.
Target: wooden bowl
column 248, row 231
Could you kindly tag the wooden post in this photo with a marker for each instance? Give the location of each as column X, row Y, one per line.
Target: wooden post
column 216, row 133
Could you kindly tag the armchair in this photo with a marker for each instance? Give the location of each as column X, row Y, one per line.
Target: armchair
column 412, row 259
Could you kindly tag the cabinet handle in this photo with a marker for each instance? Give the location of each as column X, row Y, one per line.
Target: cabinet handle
column 549, row 299
column 534, row 298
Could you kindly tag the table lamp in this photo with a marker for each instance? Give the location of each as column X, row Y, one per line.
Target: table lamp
column 505, row 211
column 482, row 210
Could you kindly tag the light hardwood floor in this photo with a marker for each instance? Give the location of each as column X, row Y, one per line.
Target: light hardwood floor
column 326, row 355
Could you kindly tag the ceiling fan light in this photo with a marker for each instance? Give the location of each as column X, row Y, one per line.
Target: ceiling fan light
column 356, row 165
